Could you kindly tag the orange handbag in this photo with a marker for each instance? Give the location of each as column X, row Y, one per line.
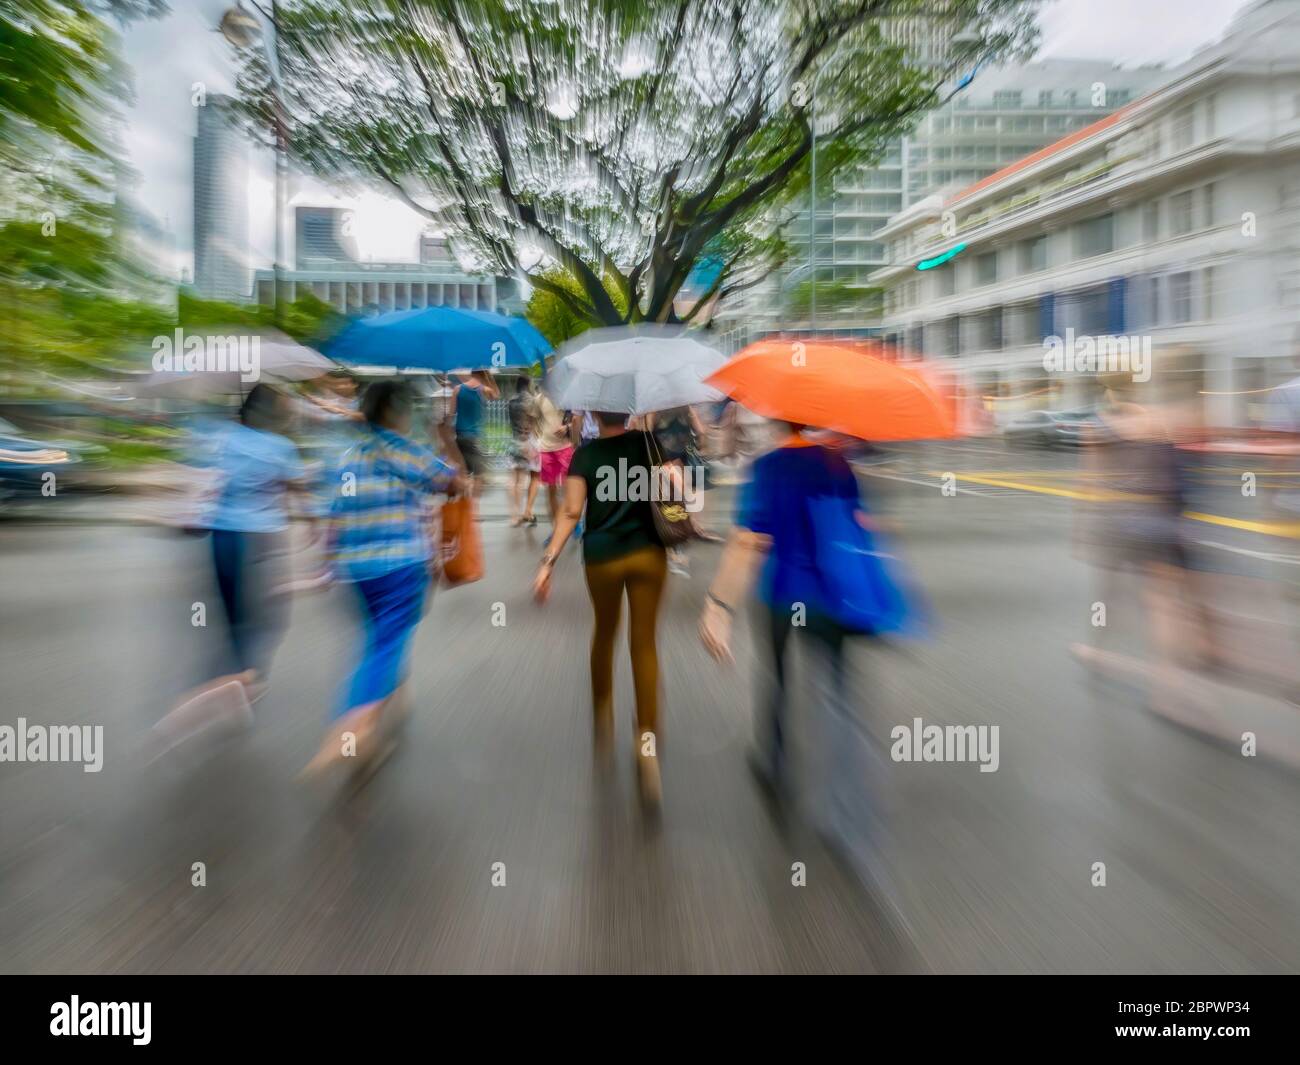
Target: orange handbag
column 461, row 546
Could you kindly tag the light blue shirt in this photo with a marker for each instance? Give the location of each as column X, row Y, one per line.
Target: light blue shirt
column 253, row 467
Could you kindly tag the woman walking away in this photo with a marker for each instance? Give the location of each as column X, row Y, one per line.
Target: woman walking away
column 382, row 547
column 469, row 397
column 556, row 432
column 677, row 433
column 777, row 528
column 250, row 529
column 248, row 517
column 525, row 459
column 622, row 554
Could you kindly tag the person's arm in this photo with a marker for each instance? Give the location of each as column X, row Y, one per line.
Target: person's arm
column 575, row 499
column 446, row 477
column 490, row 388
column 741, row 557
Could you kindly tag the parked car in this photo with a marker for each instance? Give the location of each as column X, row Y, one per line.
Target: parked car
column 1052, row 428
column 24, row 461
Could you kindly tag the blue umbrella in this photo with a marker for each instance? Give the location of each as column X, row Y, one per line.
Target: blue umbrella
column 439, row 339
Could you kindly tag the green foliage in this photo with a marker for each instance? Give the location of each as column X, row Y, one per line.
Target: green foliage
column 833, row 298
column 553, row 316
column 616, row 142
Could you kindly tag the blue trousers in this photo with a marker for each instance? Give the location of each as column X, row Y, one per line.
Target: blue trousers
column 248, row 567
column 391, row 608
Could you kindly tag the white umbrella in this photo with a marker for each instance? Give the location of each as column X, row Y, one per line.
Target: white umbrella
column 263, row 355
column 634, row 369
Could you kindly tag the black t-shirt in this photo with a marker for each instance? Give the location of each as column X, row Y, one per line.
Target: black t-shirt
column 617, row 472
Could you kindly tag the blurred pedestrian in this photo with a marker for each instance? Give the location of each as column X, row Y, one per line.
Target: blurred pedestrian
column 382, row 547
column 622, row 555
column 330, row 415
column 677, row 433
column 468, row 400
column 525, row 459
column 557, row 432
column 1134, row 530
column 775, row 533
column 257, row 468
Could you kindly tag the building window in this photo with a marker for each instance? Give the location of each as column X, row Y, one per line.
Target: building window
column 1207, row 289
column 1151, row 220
column 1096, row 236
column 1180, row 298
column 1006, row 99
column 1207, row 206
column 1181, row 219
column 986, row 268
column 1183, row 131
column 1045, row 98
column 1033, row 255
column 947, row 280
column 1210, row 117
column 992, row 329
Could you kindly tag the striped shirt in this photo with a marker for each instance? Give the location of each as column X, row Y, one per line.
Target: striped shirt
column 381, row 502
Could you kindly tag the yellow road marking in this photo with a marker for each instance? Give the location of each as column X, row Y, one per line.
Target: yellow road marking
column 998, row 482
column 1287, row 529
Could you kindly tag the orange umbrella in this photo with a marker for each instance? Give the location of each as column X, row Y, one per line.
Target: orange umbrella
column 835, row 386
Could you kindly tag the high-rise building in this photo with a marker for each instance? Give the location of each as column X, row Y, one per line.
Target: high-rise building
column 323, row 235
column 1170, row 226
column 221, row 245
column 1009, row 112
column 1004, row 114
column 434, row 250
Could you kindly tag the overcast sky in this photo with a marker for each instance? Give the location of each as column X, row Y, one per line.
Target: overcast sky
column 169, row 55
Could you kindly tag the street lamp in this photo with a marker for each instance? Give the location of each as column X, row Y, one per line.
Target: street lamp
column 244, row 30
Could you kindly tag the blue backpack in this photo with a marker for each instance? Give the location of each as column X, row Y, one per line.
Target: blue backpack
column 860, row 580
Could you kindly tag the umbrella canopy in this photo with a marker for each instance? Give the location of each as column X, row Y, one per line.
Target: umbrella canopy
column 836, row 387
column 636, row 369
column 439, row 339
column 267, row 354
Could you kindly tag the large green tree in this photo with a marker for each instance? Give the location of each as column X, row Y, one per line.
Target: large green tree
column 619, row 141
column 69, row 283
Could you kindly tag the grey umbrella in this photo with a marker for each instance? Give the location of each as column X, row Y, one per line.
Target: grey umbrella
column 267, row 354
column 635, row 369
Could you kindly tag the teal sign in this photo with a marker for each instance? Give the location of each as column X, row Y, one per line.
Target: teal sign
column 939, row 260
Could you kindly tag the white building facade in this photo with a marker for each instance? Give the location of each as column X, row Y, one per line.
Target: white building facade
column 1175, row 220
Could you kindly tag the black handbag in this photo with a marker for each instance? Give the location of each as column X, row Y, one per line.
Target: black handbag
column 673, row 522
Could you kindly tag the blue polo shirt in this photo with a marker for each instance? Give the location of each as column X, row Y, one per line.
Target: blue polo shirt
column 773, row 503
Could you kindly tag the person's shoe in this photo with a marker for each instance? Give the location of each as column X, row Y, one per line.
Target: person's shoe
column 649, row 783
column 530, row 520
column 361, row 723
column 577, row 532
